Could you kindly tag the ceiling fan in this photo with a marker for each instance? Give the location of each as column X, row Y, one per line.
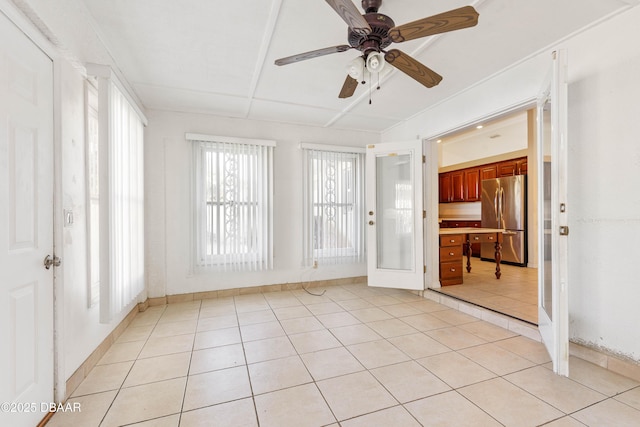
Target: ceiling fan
column 372, row 32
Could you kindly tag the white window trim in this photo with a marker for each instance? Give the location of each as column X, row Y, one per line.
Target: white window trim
column 93, row 285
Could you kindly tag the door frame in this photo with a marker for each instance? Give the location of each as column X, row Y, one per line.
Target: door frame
column 432, row 190
column 18, row 18
column 533, row 195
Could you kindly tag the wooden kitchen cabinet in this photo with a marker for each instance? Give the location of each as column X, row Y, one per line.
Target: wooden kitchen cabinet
column 508, row 168
column 451, row 186
column 451, row 259
column 465, row 185
column 471, row 185
column 475, row 247
column 513, row 167
column 457, row 186
column 488, row 172
column 521, row 165
column 444, row 185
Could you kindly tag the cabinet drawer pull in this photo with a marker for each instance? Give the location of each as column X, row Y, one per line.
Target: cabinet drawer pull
column 476, row 238
column 452, row 241
column 452, row 269
column 490, row 237
column 451, row 253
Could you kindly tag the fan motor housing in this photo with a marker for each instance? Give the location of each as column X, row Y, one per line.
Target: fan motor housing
column 371, row 5
column 378, row 38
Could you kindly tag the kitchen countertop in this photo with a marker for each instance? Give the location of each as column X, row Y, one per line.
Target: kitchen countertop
column 468, row 230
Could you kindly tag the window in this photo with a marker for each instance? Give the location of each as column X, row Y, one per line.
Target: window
column 233, row 192
column 116, row 184
column 333, row 204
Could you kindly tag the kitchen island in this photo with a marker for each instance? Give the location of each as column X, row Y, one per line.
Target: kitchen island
column 452, row 242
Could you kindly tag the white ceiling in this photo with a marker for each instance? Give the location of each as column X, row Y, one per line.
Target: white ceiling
column 218, row 56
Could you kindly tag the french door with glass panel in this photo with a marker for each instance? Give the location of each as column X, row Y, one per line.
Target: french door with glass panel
column 394, row 215
column 553, row 311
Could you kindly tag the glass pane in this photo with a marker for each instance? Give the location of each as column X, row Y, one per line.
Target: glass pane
column 394, row 204
column 333, row 198
column 547, row 293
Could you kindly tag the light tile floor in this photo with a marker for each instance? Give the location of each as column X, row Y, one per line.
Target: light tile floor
column 356, row 356
column 514, row 294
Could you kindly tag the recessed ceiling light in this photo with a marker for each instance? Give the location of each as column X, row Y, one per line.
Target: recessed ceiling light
column 479, row 127
column 439, row 141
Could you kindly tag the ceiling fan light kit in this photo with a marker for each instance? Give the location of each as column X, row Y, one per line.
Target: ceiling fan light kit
column 355, row 69
column 373, row 32
column 375, row 62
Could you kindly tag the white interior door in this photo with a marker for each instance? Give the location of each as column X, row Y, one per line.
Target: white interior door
column 394, row 215
column 26, row 228
column 553, row 310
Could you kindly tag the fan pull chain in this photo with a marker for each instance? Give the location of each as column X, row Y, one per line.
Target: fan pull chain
column 369, row 92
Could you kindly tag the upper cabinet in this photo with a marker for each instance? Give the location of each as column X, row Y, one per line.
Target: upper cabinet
column 521, row 164
column 513, row 167
column 457, row 186
column 444, row 184
column 488, row 171
column 452, row 186
column 508, row 168
column 464, row 185
column 472, row 184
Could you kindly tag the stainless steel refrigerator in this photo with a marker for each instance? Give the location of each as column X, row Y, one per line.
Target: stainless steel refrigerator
column 504, row 205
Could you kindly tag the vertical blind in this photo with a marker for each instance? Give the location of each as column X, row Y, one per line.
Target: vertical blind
column 124, row 229
column 233, row 207
column 333, row 205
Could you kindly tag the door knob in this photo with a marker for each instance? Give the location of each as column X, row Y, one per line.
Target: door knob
column 48, row 262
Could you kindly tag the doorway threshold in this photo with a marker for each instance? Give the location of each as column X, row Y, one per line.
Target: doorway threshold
column 511, row 323
column 498, row 311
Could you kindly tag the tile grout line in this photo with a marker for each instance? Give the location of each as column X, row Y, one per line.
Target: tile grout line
column 364, row 297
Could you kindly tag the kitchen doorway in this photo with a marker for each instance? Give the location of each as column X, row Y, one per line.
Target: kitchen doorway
column 504, row 145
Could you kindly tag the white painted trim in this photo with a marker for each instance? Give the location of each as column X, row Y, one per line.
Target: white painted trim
column 27, row 26
column 431, row 225
column 105, row 71
column 228, row 139
column 267, row 38
column 327, row 147
column 59, row 372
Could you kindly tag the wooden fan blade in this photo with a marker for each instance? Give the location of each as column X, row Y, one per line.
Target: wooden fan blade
column 312, row 54
column 412, row 68
column 348, row 88
column 350, row 14
column 455, row 19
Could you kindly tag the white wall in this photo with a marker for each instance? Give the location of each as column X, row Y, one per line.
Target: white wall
column 603, row 205
column 168, row 171
column 478, row 144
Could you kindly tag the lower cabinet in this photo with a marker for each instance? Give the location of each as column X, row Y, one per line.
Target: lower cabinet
column 451, row 259
column 475, row 247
